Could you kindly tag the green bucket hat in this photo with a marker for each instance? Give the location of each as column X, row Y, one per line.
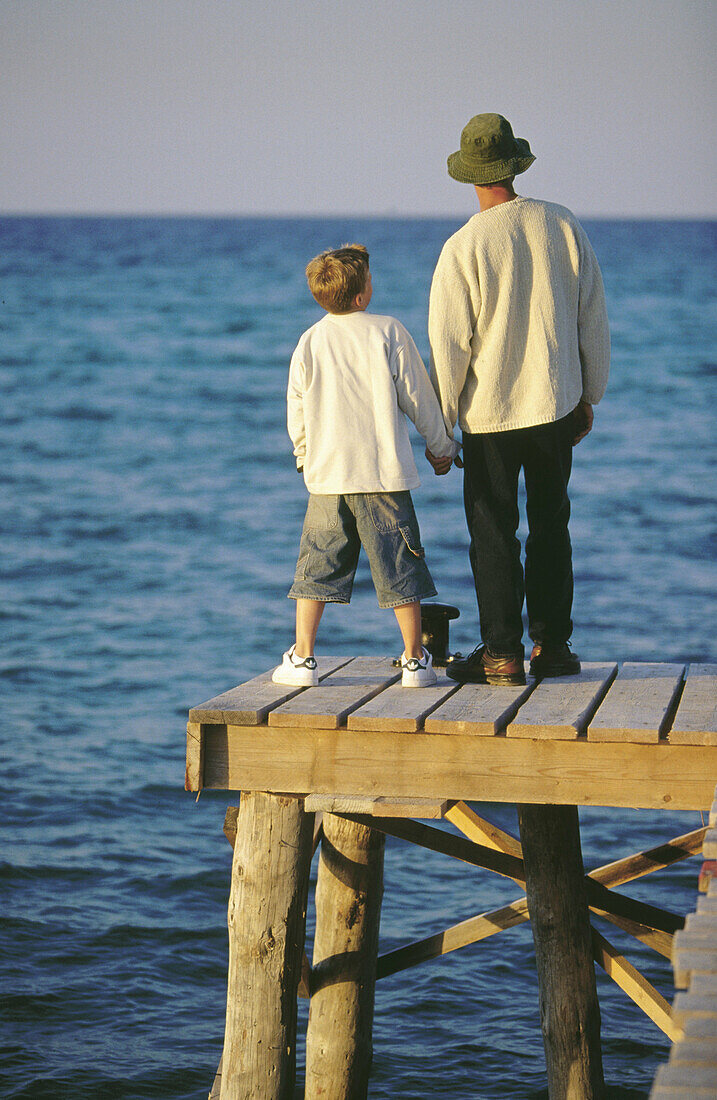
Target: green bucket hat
column 489, row 152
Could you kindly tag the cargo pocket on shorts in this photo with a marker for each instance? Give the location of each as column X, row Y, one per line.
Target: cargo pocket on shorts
column 412, row 541
column 322, row 513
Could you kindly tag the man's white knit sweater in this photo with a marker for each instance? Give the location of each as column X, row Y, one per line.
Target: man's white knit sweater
column 517, row 320
column 352, row 378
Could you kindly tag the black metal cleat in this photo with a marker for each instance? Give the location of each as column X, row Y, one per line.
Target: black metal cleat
column 435, row 619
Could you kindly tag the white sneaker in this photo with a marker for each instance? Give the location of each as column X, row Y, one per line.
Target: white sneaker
column 296, row 671
column 418, row 673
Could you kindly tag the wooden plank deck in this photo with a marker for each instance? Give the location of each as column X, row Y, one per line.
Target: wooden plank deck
column 249, row 703
column 561, row 709
column 478, row 709
column 697, row 717
column 638, row 735
column 639, row 705
column 329, row 705
column 400, row 711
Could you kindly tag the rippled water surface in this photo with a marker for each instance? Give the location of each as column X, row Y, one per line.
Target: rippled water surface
column 150, row 521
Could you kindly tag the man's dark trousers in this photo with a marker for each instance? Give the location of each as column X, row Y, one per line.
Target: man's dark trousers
column 493, row 461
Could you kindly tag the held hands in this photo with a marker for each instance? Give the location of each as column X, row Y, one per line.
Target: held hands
column 583, row 422
column 441, row 466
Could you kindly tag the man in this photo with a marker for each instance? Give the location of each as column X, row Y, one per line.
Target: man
column 520, row 352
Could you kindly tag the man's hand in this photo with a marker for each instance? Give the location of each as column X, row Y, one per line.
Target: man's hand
column 583, row 420
column 440, row 465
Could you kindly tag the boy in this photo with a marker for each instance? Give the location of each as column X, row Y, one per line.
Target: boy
column 353, row 380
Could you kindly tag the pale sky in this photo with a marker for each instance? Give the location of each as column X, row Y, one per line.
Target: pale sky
column 338, row 107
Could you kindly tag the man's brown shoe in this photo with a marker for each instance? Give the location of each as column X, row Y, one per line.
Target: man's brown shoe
column 480, row 667
column 553, row 660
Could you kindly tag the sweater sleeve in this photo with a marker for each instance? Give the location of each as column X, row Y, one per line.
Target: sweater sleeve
column 452, row 313
column 295, row 408
column 417, row 399
column 593, row 330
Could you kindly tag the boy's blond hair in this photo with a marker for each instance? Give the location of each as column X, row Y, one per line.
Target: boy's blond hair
column 335, row 277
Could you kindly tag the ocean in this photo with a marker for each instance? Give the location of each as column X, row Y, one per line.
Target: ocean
column 150, row 518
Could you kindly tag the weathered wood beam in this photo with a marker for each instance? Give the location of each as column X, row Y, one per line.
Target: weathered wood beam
column 464, row 934
column 266, row 920
column 478, row 855
column 481, row 831
column 194, row 772
column 348, row 904
column 653, row 859
column 612, row 874
column 230, row 832
column 637, row 987
column 230, row 826
column 557, row 902
column 661, row 942
column 602, row 900
column 489, row 769
column 483, row 925
column 436, row 840
column 422, row 808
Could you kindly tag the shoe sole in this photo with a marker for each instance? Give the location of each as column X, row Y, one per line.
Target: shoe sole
column 286, row 682
column 513, row 679
column 420, row 683
column 552, row 673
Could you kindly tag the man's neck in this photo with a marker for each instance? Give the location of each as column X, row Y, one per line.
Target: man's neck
column 494, row 196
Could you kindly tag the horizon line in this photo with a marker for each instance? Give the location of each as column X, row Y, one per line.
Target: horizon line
column 392, row 215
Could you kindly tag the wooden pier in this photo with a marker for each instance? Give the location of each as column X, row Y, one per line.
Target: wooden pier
column 359, row 758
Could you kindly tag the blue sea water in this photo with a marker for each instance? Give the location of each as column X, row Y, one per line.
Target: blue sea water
column 149, row 522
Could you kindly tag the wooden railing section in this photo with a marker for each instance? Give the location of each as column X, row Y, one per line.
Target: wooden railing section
column 692, row 1068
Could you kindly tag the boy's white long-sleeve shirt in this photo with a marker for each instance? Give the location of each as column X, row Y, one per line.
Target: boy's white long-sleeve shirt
column 353, row 380
column 517, row 320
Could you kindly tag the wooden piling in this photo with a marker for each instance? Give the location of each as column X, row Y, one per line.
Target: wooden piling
column 557, row 902
column 266, row 919
column 348, row 905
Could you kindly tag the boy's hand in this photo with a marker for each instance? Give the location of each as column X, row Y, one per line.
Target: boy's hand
column 440, row 465
column 583, row 419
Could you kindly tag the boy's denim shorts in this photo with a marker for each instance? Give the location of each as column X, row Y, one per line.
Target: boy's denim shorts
column 335, row 529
